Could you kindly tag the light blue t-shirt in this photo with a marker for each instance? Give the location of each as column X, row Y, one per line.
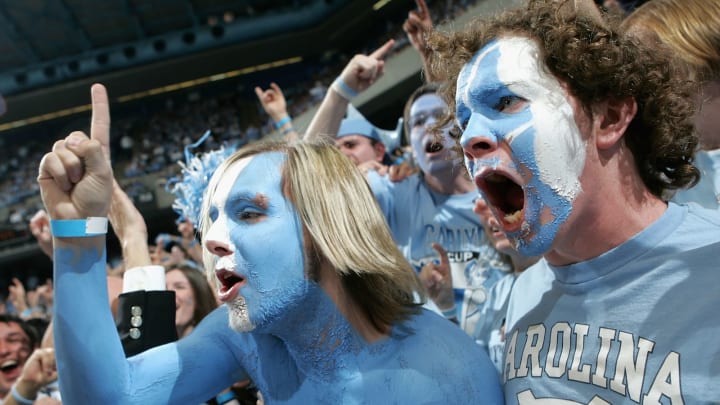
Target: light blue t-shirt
column 637, row 324
column 492, row 318
column 707, row 191
column 418, row 217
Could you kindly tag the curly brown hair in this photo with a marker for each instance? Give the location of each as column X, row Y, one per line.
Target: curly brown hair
column 585, row 49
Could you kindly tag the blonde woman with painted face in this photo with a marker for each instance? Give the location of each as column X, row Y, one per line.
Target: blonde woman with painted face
column 319, row 306
column 573, row 133
column 689, row 30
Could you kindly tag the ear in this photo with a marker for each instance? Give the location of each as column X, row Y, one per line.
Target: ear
column 612, row 118
column 379, row 151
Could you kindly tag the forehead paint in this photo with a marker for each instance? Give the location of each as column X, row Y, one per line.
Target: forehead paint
column 262, row 229
column 543, row 138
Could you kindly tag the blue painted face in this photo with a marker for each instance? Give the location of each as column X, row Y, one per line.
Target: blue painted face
column 522, row 145
column 261, row 272
column 432, row 154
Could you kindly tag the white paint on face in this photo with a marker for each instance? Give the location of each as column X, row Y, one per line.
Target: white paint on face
column 559, row 148
column 426, row 110
column 506, row 95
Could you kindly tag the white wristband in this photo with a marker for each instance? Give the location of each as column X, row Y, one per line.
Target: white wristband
column 78, row 228
column 341, row 88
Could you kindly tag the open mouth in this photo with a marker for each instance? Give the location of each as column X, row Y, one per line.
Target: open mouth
column 9, row 366
column 228, row 281
column 505, row 196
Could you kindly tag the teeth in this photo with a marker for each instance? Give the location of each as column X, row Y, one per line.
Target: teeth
column 514, row 217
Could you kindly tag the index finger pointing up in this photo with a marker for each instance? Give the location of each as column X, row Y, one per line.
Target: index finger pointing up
column 422, row 8
column 100, row 122
column 383, row 50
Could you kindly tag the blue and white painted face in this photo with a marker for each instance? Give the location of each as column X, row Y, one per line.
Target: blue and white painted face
column 432, row 154
column 522, row 144
column 257, row 238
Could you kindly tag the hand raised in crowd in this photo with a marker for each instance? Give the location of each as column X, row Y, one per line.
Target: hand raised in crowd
column 76, row 178
column 39, row 370
column 273, row 101
column 437, row 279
column 40, row 228
column 364, row 70
column 17, row 295
column 417, row 26
column 130, row 228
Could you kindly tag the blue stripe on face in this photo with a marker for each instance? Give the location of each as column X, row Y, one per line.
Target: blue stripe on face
column 479, row 97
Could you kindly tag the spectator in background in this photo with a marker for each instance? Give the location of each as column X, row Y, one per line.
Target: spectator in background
column 490, row 329
column 433, row 206
column 360, row 141
column 688, row 29
column 18, row 341
column 194, row 298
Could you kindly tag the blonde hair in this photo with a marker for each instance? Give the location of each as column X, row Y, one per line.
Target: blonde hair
column 345, row 225
column 689, row 28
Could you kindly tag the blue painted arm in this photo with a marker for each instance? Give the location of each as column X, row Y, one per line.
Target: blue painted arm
column 91, row 362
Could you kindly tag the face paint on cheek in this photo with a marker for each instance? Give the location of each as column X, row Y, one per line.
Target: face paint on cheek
column 542, row 136
column 550, row 151
column 269, row 242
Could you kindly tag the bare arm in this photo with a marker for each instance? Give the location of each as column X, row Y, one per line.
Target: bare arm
column 359, row 74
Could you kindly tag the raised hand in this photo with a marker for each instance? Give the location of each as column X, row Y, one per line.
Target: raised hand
column 40, row 228
column 39, row 370
column 76, row 177
column 273, row 101
column 364, row 70
column 437, row 279
column 417, row 26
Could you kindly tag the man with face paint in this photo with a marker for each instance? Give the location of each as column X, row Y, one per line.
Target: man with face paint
column 320, row 304
column 433, row 206
column 575, row 134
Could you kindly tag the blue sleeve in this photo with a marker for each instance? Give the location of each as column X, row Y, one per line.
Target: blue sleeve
column 90, row 358
column 381, row 188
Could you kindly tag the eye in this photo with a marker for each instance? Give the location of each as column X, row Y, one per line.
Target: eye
column 249, row 215
column 510, row 104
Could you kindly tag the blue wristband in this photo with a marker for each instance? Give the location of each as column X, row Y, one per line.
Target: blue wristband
column 343, row 89
column 282, row 122
column 19, row 398
column 225, row 397
column 78, row 228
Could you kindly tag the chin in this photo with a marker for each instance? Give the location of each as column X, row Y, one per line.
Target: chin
column 238, row 316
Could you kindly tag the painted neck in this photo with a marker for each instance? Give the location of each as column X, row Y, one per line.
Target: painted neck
column 322, row 330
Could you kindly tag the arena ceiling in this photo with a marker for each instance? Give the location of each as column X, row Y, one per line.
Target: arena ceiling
column 51, row 50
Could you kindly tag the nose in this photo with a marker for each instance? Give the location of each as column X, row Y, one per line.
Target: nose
column 217, row 241
column 218, row 248
column 478, row 146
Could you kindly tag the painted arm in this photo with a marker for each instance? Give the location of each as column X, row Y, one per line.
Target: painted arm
column 359, row 74
column 76, row 183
